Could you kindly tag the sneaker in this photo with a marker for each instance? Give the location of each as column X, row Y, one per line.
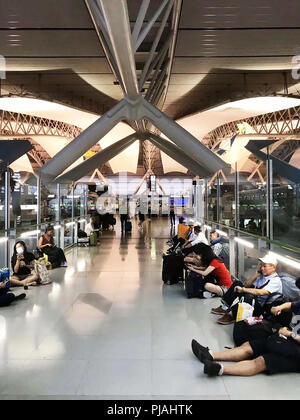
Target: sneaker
column 226, row 319
column 208, row 295
column 212, row 368
column 202, row 353
column 218, row 311
column 21, row 296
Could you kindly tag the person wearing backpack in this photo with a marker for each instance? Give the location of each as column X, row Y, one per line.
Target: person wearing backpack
column 278, row 353
column 263, row 283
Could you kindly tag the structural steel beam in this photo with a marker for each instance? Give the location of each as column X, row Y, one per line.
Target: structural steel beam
column 178, row 155
column 112, row 16
column 117, row 21
column 17, row 124
column 147, row 67
column 139, row 22
column 183, row 139
column 97, row 160
column 88, row 138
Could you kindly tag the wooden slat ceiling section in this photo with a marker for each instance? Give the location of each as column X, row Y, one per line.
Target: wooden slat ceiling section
column 232, row 49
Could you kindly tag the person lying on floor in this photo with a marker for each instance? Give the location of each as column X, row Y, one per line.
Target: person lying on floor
column 216, row 277
column 258, row 287
column 22, row 265
column 277, row 353
column 55, row 255
column 7, row 297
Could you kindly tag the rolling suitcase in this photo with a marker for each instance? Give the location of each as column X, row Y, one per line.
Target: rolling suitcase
column 93, row 239
column 172, row 270
column 128, row 226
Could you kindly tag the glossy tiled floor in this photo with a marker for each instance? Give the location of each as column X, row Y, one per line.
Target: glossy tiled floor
column 108, row 328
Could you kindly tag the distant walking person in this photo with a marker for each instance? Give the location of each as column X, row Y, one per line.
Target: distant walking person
column 172, row 213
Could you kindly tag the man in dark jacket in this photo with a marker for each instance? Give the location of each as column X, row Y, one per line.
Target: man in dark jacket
column 220, row 246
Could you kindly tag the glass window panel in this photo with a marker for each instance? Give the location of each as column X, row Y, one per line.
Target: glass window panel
column 253, row 202
column 227, row 197
column 286, row 206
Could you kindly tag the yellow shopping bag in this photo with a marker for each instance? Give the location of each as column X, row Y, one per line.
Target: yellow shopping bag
column 245, row 310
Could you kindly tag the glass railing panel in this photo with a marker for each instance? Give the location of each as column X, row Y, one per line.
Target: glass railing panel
column 253, row 201
column 69, row 232
column 49, row 204
column 212, row 201
column 227, row 197
column 286, row 210
column 24, row 205
column 247, row 248
column 65, row 202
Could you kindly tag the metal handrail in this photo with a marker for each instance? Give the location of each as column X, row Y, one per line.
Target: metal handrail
column 263, row 238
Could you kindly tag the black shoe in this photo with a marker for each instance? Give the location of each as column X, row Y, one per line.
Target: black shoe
column 212, row 368
column 202, row 353
column 25, row 287
column 21, row 296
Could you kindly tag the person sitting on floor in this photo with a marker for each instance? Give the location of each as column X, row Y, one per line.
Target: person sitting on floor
column 277, row 353
column 56, row 255
column 22, row 265
column 216, row 277
column 279, row 316
column 198, row 237
column 90, row 227
column 6, row 297
column 181, row 235
column 258, row 287
column 220, row 246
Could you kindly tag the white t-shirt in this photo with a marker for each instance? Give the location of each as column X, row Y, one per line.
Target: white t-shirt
column 200, row 238
column 89, row 229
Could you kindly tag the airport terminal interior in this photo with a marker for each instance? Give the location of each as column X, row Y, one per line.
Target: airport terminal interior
column 126, row 128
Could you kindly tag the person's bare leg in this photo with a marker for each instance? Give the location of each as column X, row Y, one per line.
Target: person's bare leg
column 246, row 368
column 14, row 281
column 213, row 288
column 236, row 354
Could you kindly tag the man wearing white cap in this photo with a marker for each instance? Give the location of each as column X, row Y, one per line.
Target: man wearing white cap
column 264, row 282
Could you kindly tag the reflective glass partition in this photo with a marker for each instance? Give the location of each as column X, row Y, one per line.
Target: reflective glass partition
column 80, row 194
column 49, row 202
column 245, row 249
column 212, row 200
column 24, row 206
column 65, row 202
column 286, row 210
column 227, row 197
column 253, row 202
column 2, row 201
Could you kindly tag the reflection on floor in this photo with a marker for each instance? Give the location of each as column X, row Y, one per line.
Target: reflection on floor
column 108, row 328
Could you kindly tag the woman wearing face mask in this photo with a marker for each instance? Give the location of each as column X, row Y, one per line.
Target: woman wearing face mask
column 55, row 255
column 22, row 265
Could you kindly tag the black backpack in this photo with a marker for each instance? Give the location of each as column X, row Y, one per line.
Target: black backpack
column 81, row 234
column 276, row 299
column 193, row 285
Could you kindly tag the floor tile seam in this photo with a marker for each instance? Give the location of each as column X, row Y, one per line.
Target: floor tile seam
column 80, row 381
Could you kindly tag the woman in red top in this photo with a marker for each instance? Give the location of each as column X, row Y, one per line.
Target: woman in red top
column 213, row 271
